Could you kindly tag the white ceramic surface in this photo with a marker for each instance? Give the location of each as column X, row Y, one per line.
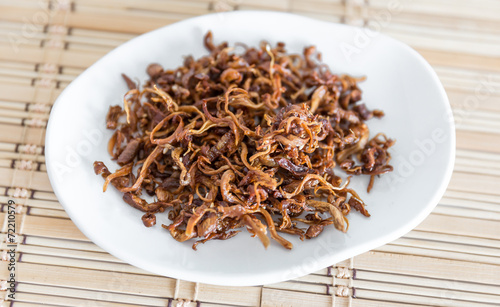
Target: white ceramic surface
column 399, row 81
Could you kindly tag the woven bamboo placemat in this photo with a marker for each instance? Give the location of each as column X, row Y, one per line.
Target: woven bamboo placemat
column 451, row 259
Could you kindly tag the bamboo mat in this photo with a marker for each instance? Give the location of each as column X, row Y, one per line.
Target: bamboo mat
column 451, row 259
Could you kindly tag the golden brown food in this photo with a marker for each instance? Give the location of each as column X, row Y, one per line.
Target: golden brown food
column 244, row 140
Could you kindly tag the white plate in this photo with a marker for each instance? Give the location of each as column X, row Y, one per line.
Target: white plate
column 400, row 82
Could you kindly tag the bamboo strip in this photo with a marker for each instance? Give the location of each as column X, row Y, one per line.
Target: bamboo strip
column 278, row 5
column 5, row 163
column 405, row 299
column 445, row 45
column 129, row 284
column 324, row 289
column 448, row 246
column 29, row 54
column 477, row 155
column 487, row 82
column 468, row 37
column 68, row 253
column 465, row 127
column 424, row 282
column 446, row 8
column 82, row 264
column 56, row 243
column 472, row 47
column 10, row 121
column 62, row 301
column 15, row 80
column 7, row 147
column 333, row 8
column 473, row 205
column 89, row 48
column 6, row 39
column 45, row 195
column 461, row 60
column 468, row 90
column 325, row 17
column 374, row 303
column 12, row 134
column 52, row 227
column 13, row 105
column 17, row 65
column 20, row 121
column 21, row 93
column 317, row 279
column 475, row 120
column 486, row 184
column 313, row 2
column 468, row 79
column 238, row 296
column 273, row 297
column 425, row 293
column 24, row 115
column 485, row 142
column 461, row 226
column 444, row 21
column 101, row 34
column 36, row 204
column 13, row 155
column 34, row 74
column 37, row 39
column 467, row 212
column 429, row 267
column 59, row 243
column 10, row 150
column 21, row 304
column 15, row 34
column 464, row 75
column 58, row 85
column 232, row 5
column 22, row 149
column 459, row 97
column 433, row 236
column 439, row 254
column 124, row 21
column 72, row 71
column 95, row 280
column 40, row 180
column 48, row 213
column 473, row 195
column 477, row 162
column 96, row 296
column 182, row 7
column 28, row 4
column 102, row 42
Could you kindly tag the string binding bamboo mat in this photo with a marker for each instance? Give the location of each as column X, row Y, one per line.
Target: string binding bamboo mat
column 451, row 259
